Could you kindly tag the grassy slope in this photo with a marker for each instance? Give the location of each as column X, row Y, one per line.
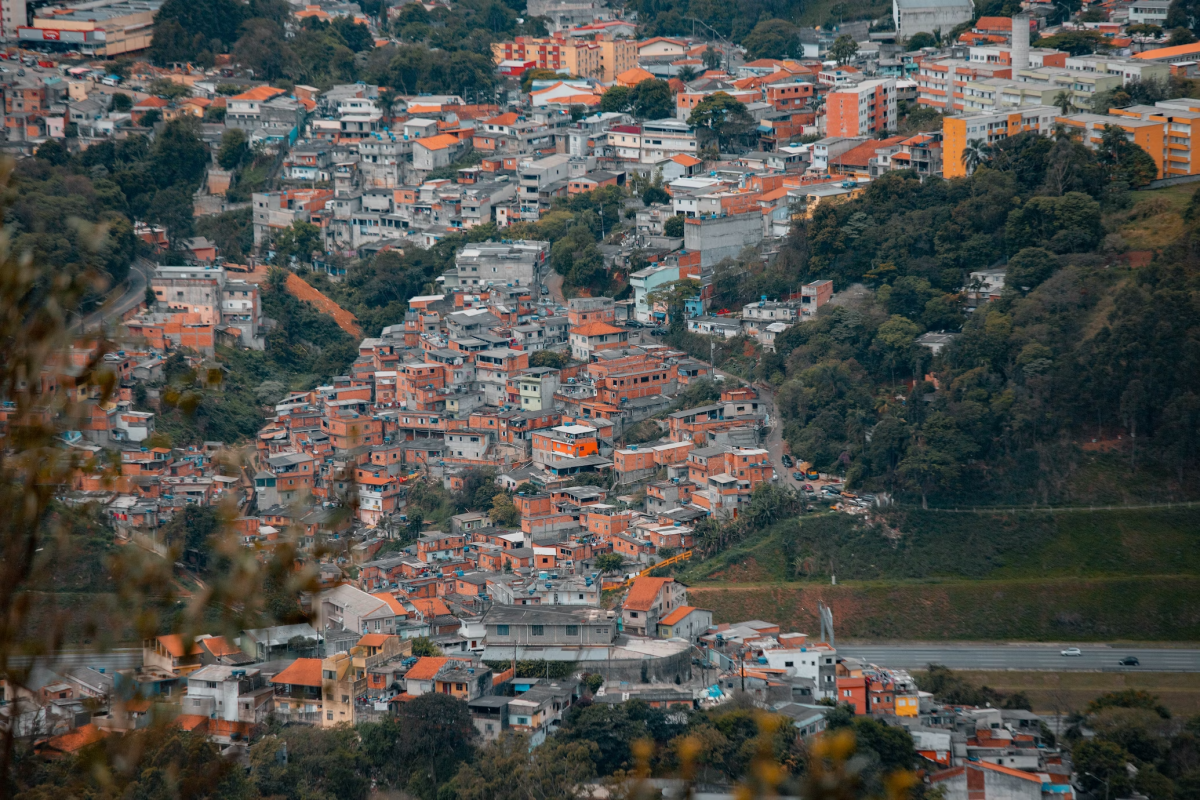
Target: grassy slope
column 1052, row 692
column 1149, row 607
column 1080, row 575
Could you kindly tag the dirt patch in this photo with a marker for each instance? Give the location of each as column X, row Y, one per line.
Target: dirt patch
column 304, row 291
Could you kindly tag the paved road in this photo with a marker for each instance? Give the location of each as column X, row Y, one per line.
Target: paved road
column 119, row 658
column 115, row 307
column 1025, row 657
column 554, row 283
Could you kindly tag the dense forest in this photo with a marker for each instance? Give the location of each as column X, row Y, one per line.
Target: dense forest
column 1080, row 347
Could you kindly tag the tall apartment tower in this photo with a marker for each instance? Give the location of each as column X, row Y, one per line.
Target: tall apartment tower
column 12, row 16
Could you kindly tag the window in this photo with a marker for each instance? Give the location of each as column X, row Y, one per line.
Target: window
column 573, row 630
column 502, row 630
column 537, row 630
column 788, row 664
column 633, row 614
column 328, row 715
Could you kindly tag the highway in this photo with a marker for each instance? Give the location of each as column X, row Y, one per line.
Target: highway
column 1025, row 657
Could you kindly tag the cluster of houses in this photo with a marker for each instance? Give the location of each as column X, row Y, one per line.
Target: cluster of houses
column 357, row 664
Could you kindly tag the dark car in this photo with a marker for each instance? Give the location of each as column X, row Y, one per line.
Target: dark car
column 1130, row 661
column 658, row 332
column 633, row 323
column 787, row 460
column 798, row 476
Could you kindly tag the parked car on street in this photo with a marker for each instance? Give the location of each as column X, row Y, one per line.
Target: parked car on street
column 787, row 460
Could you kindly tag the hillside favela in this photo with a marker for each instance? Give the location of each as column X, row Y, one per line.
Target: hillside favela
column 600, row 400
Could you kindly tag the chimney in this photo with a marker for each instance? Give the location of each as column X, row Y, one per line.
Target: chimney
column 1020, row 43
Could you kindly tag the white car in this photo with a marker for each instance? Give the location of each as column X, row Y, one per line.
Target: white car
column 1072, row 651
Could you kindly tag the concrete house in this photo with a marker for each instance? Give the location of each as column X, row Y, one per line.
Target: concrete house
column 649, row 601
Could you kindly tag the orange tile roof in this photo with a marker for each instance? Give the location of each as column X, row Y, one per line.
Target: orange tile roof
column 219, row 647
column 993, row 24
column 504, row 119
column 1015, row 773
column 301, row 672
column 661, row 39
column 395, row 605
column 173, row 644
column 596, row 329
column 632, row 77
column 374, row 639
column 77, row 739
column 190, row 722
column 861, row 155
column 420, row 109
column 643, row 591
column 430, row 606
column 677, row 615
column 259, row 93
column 426, row 668
column 152, row 102
column 685, row 160
column 439, row 142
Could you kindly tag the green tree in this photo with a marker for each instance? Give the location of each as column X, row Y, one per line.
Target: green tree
column 234, row 149
column 172, row 209
column 548, row 358
column 616, row 99
column 673, row 227
column 1128, row 161
column 1029, row 268
column 722, row 118
column 844, row 49
column 150, row 118
column 652, row 99
column 1180, row 36
column 423, row 646
column 711, row 58
column 975, row 153
column 1129, row 698
column 1101, row 767
column 300, row 239
column 509, row 769
column 925, row 468
column 655, row 194
column 121, row 102
column 920, row 40
column 609, row 562
column 503, row 512
column 1077, row 43
column 179, row 158
column 772, row 38
column 422, row 746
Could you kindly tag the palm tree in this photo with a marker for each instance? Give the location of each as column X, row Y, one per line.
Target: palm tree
column 975, row 153
column 686, row 73
column 1063, row 101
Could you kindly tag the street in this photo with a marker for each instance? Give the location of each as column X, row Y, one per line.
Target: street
column 1025, row 657
column 118, row 658
column 114, row 308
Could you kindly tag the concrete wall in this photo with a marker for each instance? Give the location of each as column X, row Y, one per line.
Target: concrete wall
column 722, row 237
